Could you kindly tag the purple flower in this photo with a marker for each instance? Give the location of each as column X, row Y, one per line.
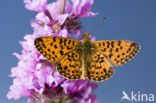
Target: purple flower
column 81, row 8
column 35, row 77
column 49, row 20
column 48, row 23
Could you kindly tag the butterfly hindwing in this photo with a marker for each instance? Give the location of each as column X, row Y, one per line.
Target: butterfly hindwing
column 99, row 68
column 70, row 65
column 117, row 51
column 53, row 48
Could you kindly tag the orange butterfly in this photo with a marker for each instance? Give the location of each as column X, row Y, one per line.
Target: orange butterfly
column 86, row 59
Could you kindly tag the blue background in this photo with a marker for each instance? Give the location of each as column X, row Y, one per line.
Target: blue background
column 126, row 19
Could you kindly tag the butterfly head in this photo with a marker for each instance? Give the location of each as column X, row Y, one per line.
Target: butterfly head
column 86, row 35
column 86, row 38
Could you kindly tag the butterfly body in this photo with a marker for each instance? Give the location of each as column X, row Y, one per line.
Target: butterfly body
column 86, row 46
column 86, row 59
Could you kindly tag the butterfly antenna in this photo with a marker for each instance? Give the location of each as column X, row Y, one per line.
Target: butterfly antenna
column 97, row 25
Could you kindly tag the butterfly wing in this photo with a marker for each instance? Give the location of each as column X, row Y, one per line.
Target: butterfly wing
column 70, row 65
column 99, row 68
column 117, row 51
column 53, row 48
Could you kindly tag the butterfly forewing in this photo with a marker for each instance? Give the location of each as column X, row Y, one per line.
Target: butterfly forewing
column 53, row 48
column 70, row 65
column 117, row 51
column 99, row 68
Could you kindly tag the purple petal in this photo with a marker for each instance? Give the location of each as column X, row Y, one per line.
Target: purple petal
column 43, row 73
column 76, row 33
column 42, row 18
column 61, row 18
column 63, row 33
column 54, row 11
column 94, row 99
column 81, row 8
column 18, row 89
column 35, row 5
column 92, row 37
column 87, row 92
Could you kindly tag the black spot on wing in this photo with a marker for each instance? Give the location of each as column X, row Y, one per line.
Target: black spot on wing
column 108, row 44
column 112, row 44
column 61, row 52
column 54, row 39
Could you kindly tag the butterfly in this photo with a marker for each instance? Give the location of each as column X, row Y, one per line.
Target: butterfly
column 85, row 59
